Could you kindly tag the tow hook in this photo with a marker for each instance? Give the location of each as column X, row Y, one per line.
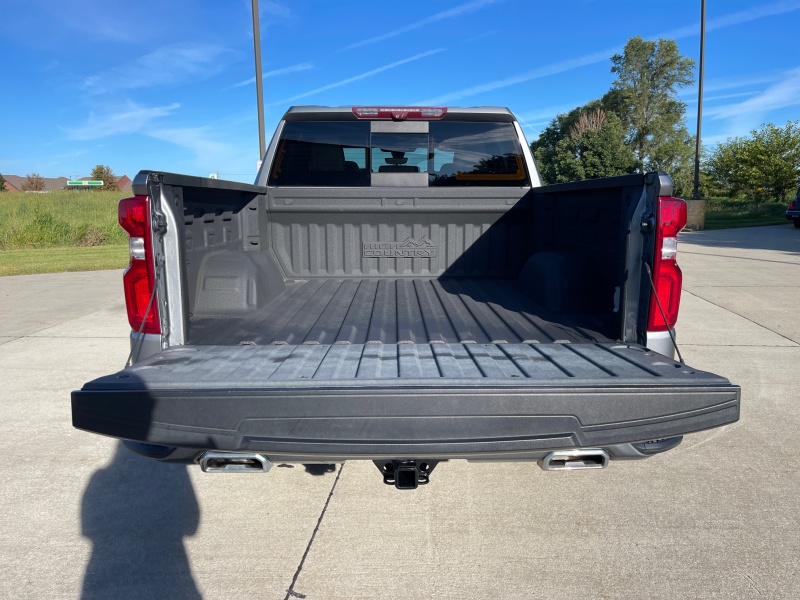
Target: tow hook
column 405, row 474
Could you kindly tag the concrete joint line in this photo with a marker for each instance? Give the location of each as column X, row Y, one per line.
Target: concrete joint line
column 290, row 593
column 795, row 342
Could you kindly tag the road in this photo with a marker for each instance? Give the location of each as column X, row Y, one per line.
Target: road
column 716, row 518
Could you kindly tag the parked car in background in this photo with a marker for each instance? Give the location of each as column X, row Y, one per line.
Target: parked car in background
column 793, row 210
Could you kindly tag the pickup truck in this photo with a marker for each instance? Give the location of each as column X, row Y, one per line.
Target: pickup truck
column 399, row 287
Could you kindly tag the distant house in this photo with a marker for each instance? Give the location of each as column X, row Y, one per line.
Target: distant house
column 124, row 183
column 14, row 183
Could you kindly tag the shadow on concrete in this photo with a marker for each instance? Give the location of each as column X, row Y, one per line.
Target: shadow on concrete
column 136, row 514
column 320, row 469
column 779, row 238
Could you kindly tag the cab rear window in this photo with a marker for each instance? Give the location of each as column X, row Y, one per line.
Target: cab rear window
column 476, row 154
column 320, row 153
column 346, row 154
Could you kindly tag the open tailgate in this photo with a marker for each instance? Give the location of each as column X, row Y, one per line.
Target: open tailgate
column 370, row 400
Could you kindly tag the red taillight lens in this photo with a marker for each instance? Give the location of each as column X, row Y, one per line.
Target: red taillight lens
column 792, row 204
column 133, row 213
column 139, row 278
column 667, row 276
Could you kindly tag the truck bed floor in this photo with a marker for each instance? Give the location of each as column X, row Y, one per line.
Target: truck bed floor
column 397, row 311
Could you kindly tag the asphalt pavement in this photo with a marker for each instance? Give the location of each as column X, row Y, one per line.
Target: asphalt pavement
column 718, row 517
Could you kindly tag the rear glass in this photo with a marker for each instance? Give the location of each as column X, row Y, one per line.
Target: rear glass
column 476, row 154
column 345, row 154
column 328, row 153
column 399, row 152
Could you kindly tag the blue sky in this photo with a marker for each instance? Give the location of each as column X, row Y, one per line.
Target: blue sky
column 169, row 86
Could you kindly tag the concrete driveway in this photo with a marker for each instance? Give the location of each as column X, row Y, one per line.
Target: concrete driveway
column 718, row 517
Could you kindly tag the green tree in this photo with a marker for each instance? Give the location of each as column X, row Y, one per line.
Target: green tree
column 725, row 166
column 676, row 157
column 585, row 143
column 549, row 154
column 2, row 184
column 643, row 122
column 33, row 183
column 106, row 175
column 764, row 165
column 644, row 97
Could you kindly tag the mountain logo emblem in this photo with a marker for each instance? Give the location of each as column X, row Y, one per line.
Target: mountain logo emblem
column 408, row 248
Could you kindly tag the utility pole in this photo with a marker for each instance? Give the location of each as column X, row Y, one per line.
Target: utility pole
column 259, row 85
column 696, row 192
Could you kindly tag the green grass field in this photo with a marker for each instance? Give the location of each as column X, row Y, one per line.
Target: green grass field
column 64, row 218
column 57, row 259
column 725, row 213
column 61, row 231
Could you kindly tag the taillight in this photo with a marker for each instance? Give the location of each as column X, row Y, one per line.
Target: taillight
column 667, row 276
column 139, row 277
column 792, row 204
column 399, row 113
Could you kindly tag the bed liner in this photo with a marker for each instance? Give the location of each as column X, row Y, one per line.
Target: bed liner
column 398, row 310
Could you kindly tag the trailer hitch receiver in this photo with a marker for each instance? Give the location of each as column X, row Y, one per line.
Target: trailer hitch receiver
column 405, row 474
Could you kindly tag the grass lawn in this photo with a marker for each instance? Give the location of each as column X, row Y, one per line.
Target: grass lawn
column 62, row 218
column 61, row 231
column 57, row 259
column 725, row 213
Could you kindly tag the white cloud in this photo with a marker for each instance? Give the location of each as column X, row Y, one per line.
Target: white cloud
column 736, row 18
column 277, row 72
column 731, row 83
column 719, row 85
column 782, row 94
column 275, row 10
column 358, row 77
column 720, row 97
column 130, row 118
column 456, row 11
column 109, row 21
column 740, row 118
column 209, row 153
column 480, row 36
column 713, row 140
column 548, row 113
column 196, row 139
column 552, row 69
column 231, row 160
column 168, row 65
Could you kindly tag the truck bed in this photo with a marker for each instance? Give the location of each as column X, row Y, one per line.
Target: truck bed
column 347, row 368
column 399, row 311
column 494, row 323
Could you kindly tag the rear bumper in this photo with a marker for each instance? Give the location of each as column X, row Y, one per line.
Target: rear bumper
column 338, row 424
column 793, row 215
column 144, row 345
column 661, row 342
